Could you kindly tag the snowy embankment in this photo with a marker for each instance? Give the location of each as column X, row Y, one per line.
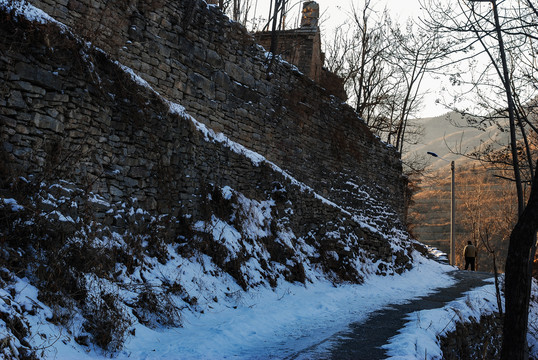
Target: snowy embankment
column 420, row 336
column 419, row 339
column 262, row 323
column 266, row 323
column 278, row 324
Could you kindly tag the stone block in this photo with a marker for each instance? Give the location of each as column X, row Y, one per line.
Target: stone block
column 214, row 59
column 207, row 86
column 76, row 6
column 26, row 86
column 164, row 67
column 22, row 129
column 115, row 191
column 57, row 97
column 7, row 121
column 21, row 152
column 138, row 172
column 7, row 147
column 16, row 101
column 130, row 182
column 47, row 122
column 220, row 96
column 39, row 76
column 238, row 74
column 159, row 74
column 223, row 81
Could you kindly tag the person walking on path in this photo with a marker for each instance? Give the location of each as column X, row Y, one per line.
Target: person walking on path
column 469, row 252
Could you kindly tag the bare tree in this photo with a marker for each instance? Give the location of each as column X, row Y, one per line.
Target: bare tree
column 504, row 88
column 486, row 215
column 239, row 10
column 415, row 51
column 383, row 66
column 278, row 9
column 358, row 53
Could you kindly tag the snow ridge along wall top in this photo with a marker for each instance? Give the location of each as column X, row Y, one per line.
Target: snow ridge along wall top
column 194, row 55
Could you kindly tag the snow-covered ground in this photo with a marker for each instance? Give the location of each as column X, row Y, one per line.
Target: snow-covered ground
column 265, row 323
column 262, row 324
column 418, row 339
column 277, row 324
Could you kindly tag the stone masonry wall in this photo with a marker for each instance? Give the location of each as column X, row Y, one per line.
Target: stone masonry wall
column 69, row 113
column 301, row 47
column 192, row 54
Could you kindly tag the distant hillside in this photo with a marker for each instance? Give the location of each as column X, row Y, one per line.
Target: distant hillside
column 485, row 211
column 483, row 206
column 450, row 133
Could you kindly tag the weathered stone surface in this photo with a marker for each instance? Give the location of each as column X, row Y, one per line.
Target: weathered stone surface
column 16, row 101
column 31, row 89
column 47, row 122
column 7, row 121
column 38, row 76
column 238, row 74
column 214, row 59
column 97, row 127
column 207, row 86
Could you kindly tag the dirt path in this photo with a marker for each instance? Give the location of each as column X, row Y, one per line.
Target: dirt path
column 363, row 340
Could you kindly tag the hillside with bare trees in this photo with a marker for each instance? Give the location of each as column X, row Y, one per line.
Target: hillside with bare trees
column 485, row 213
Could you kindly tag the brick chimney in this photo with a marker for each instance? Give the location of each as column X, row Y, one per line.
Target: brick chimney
column 310, row 14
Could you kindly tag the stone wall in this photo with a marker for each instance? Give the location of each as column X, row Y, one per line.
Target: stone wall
column 301, row 47
column 192, row 54
column 69, row 113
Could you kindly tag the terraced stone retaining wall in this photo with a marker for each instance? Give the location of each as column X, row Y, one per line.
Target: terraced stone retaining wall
column 194, row 55
column 69, row 113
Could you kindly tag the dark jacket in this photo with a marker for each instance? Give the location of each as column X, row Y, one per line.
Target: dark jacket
column 469, row 251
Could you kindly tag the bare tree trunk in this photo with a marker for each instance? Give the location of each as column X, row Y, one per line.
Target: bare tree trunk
column 274, row 35
column 522, row 240
column 518, row 280
column 511, row 115
column 236, row 10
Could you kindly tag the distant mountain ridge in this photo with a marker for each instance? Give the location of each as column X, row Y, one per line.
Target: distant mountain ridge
column 450, row 133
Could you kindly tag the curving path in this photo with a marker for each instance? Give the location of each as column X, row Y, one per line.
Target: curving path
column 364, row 340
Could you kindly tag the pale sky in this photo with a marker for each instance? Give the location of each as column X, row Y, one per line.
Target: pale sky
column 335, row 12
column 401, row 9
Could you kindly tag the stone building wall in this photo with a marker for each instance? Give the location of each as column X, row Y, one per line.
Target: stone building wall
column 192, row 54
column 301, row 47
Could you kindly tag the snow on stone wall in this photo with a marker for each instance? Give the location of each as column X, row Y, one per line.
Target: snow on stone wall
column 69, row 113
column 109, row 186
column 193, row 54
